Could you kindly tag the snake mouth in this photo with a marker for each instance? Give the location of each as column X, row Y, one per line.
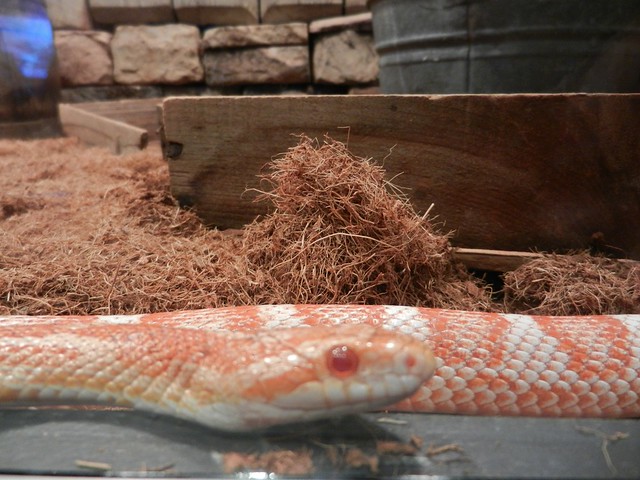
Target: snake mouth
column 350, row 395
column 376, row 373
column 312, row 403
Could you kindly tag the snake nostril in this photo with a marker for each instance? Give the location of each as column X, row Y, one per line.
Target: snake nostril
column 342, row 361
column 410, row 362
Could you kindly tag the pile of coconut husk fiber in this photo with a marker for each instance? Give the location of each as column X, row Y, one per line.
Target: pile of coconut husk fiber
column 577, row 284
column 341, row 233
column 83, row 231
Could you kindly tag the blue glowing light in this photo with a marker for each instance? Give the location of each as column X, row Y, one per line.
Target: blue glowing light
column 29, row 41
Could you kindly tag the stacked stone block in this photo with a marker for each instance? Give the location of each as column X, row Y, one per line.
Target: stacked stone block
column 260, row 54
column 124, row 48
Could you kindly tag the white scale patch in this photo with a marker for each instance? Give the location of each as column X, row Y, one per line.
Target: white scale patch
column 401, row 313
column 408, row 320
column 119, row 319
column 533, row 360
column 277, row 316
column 216, row 319
column 632, row 322
column 20, row 320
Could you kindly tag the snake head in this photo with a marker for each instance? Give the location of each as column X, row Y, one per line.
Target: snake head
column 309, row 373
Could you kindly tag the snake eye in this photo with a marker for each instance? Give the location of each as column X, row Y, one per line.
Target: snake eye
column 342, row 361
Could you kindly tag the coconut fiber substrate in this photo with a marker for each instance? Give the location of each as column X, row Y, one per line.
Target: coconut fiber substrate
column 86, row 232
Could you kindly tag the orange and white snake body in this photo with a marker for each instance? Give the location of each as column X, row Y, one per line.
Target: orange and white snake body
column 240, row 368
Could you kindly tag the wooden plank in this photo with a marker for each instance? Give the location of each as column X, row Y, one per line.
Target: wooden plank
column 501, row 261
column 142, row 113
column 283, row 11
column 94, row 129
column 493, row 260
column 138, row 12
column 68, row 15
column 360, row 21
column 507, row 172
column 217, row 12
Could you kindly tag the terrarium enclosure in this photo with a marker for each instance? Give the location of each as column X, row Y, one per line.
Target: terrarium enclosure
column 469, row 155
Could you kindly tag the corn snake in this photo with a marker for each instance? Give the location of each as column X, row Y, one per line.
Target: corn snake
column 240, row 368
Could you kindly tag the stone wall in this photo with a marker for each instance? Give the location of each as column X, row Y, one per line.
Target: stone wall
column 109, row 49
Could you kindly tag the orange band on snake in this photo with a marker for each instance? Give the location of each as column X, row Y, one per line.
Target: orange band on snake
column 240, row 368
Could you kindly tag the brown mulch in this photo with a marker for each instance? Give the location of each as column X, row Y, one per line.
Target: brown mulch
column 86, row 232
column 279, row 462
column 341, row 233
column 578, row 284
column 105, row 236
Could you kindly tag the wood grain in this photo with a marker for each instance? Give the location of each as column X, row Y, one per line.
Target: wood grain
column 282, row 11
column 360, row 21
column 131, row 11
column 94, row 129
column 507, row 172
column 142, row 113
column 504, row 261
column 217, row 12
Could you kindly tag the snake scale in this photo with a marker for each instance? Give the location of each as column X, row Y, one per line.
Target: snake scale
column 241, row 368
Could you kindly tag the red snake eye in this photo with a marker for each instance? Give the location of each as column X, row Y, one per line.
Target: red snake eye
column 342, row 361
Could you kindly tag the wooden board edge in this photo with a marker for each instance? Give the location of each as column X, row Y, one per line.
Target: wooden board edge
column 503, row 260
column 94, row 129
column 443, row 149
column 325, row 25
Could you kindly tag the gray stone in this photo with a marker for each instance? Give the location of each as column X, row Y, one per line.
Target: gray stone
column 166, row 54
column 256, row 35
column 287, row 65
column 109, row 92
column 345, row 58
column 84, row 57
